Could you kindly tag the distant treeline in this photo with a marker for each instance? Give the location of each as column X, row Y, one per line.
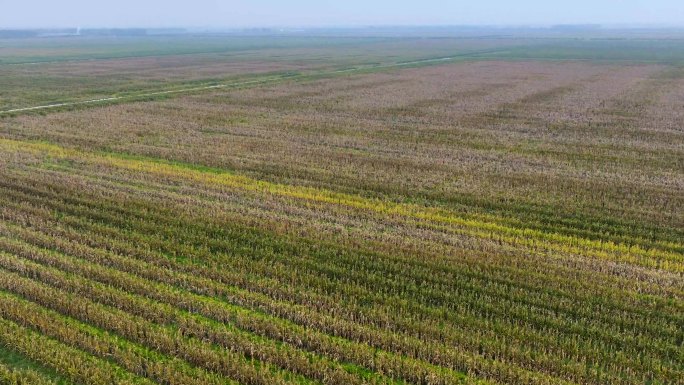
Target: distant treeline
column 577, row 27
column 17, row 33
column 29, row 33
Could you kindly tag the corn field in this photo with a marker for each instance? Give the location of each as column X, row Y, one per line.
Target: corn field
column 485, row 222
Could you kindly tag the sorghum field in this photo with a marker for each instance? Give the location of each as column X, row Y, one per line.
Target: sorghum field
column 363, row 211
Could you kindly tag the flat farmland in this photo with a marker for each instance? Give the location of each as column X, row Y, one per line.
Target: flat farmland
column 46, row 71
column 491, row 220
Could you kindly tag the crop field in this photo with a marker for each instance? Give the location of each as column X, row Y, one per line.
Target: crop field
column 380, row 211
column 62, row 70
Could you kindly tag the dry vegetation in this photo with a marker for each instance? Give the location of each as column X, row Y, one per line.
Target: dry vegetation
column 566, row 135
column 37, row 73
column 483, row 222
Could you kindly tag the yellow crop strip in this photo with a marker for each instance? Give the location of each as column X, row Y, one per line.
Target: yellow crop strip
column 530, row 238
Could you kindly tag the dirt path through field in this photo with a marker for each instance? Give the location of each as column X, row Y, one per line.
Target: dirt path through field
column 238, row 84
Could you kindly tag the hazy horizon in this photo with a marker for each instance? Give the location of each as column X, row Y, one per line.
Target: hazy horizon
column 353, row 13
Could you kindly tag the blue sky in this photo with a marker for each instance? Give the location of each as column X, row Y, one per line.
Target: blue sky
column 227, row 13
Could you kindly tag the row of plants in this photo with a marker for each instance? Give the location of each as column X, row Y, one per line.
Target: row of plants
column 63, row 218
